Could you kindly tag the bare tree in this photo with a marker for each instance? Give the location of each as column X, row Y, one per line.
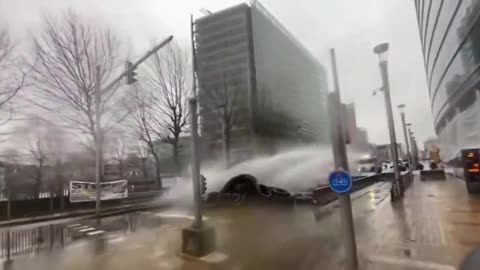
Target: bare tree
column 220, row 101
column 39, row 154
column 119, row 151
column 10, row 170
column 168, row 83
column 12, row 77
column 142, row 154
column 70, row 55
column 146, row 123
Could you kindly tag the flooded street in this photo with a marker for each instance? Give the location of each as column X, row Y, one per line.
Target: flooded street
column 249, row 237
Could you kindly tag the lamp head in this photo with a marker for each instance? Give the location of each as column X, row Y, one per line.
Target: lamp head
column 382, row 51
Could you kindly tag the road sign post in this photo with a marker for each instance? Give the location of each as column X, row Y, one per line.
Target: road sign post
column 340, row 181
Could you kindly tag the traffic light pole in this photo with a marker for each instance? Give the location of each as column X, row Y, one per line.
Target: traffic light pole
column 98, row 145
column 341, row 161
column 197, row 197
column 134, row 65
column 129, row 70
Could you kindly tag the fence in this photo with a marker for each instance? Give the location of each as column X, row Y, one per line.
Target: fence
column 22, row 241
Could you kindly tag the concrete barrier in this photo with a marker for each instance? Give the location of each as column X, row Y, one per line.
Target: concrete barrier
column 433, row 175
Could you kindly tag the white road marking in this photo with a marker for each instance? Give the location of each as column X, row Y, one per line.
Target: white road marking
column 158, row 253
column 95, row 232
column 175, row 215
column 215, row 257
column 411, row 263
column 116, row 240
column 87, row 230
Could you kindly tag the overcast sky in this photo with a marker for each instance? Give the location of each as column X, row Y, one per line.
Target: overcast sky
column 353, row 27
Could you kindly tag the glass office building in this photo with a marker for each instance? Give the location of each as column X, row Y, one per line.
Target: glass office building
column 279, row 88
column 450, row 38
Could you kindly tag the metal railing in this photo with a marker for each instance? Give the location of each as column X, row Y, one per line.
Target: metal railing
column 23, row 241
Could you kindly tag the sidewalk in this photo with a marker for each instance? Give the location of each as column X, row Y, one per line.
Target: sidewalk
column 434, row 227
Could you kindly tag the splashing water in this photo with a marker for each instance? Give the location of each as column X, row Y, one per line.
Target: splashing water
column 294, row 170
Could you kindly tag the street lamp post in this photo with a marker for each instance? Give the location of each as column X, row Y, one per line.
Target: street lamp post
column 407, row 126
column 414, row 149
column 401, row 107
column 382, row 51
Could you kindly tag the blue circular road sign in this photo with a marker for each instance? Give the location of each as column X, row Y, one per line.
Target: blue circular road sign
column 340, row 181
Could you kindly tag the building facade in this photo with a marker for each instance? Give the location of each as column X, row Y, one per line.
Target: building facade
column 384, row 153
column 450, row 39
column 249, row 64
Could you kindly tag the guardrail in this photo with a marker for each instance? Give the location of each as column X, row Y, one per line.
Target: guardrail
column 44, row 206
column 324, row 194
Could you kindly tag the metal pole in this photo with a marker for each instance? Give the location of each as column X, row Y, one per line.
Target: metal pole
column 415, row 151
column 391, row 125
column 412, row 148
column 8, row 246
column 197, row 223
column 341, row 161
column 407, row 146
column 194, row 56
column 9, row 202
column 135, row 65
column 98, row 145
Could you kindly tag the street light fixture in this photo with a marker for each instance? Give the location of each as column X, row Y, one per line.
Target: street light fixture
column 382, row 51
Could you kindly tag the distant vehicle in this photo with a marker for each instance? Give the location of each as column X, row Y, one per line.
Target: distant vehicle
column 367, row 165
column 471, row 169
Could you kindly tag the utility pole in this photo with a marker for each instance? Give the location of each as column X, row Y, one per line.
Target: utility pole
column 341, row 161
column 197, row 197
column 98, row 144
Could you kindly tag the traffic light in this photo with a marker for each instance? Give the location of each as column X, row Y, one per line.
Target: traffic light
column 203, row 184
column 130, row 73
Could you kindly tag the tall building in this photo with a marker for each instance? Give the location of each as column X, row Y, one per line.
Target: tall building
column 450, row 38
column 384, row 153
column 355, row 135
column 275, row 88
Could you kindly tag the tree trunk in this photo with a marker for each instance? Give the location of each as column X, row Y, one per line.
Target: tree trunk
column 120, row 168
column 144, row 168
column 39, row 180
column 62, row 195
column 226, row 142
column 157, row 170
column 52, row 196
column 9, row 203
column 176, row 160
column 60, row 184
